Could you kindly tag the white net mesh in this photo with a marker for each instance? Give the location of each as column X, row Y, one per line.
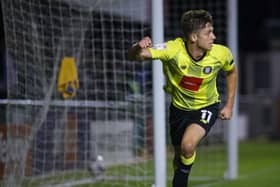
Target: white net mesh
column 52, row 141
column 48, row 141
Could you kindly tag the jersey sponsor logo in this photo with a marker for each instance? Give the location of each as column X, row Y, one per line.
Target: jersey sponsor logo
column 190, row 83
column 207, row 70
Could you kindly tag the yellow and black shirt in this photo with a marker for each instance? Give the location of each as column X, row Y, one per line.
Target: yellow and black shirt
column 191, row 83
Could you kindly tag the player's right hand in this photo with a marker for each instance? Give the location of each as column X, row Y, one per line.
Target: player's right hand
column 145, row 42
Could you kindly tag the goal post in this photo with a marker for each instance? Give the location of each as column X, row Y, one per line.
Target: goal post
column 159, row 99
column 232, row 141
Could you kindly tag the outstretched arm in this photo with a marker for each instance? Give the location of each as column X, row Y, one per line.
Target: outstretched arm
column 139, row 50
column 231, row 78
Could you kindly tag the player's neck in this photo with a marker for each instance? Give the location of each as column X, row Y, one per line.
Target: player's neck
column 195, row 52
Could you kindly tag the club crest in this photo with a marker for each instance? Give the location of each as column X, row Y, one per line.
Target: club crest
column 207, row 70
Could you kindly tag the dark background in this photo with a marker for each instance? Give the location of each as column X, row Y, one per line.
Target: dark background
column 254, row 32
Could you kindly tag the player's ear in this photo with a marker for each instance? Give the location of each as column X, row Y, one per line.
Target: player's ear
column 193, row 37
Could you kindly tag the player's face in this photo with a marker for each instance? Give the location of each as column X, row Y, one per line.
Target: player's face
column 206, row 37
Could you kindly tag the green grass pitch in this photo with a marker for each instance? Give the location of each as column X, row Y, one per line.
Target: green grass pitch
column 259, row 166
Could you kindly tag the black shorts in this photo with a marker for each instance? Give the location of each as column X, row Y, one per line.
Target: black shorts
column 179, row 120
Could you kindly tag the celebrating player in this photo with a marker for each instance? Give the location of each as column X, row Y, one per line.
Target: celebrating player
column 191, row 64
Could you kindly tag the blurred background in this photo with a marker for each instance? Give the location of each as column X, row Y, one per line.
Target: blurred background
column 259, row 47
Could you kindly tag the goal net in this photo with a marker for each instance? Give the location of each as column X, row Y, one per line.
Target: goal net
column 98, row 133
column 101, row 136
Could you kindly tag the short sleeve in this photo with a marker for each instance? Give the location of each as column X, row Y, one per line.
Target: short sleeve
column 228, row 61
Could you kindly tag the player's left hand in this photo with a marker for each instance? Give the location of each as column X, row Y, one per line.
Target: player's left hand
column 225, row 113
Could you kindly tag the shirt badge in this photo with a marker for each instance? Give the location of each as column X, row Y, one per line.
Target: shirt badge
column 207, row 70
